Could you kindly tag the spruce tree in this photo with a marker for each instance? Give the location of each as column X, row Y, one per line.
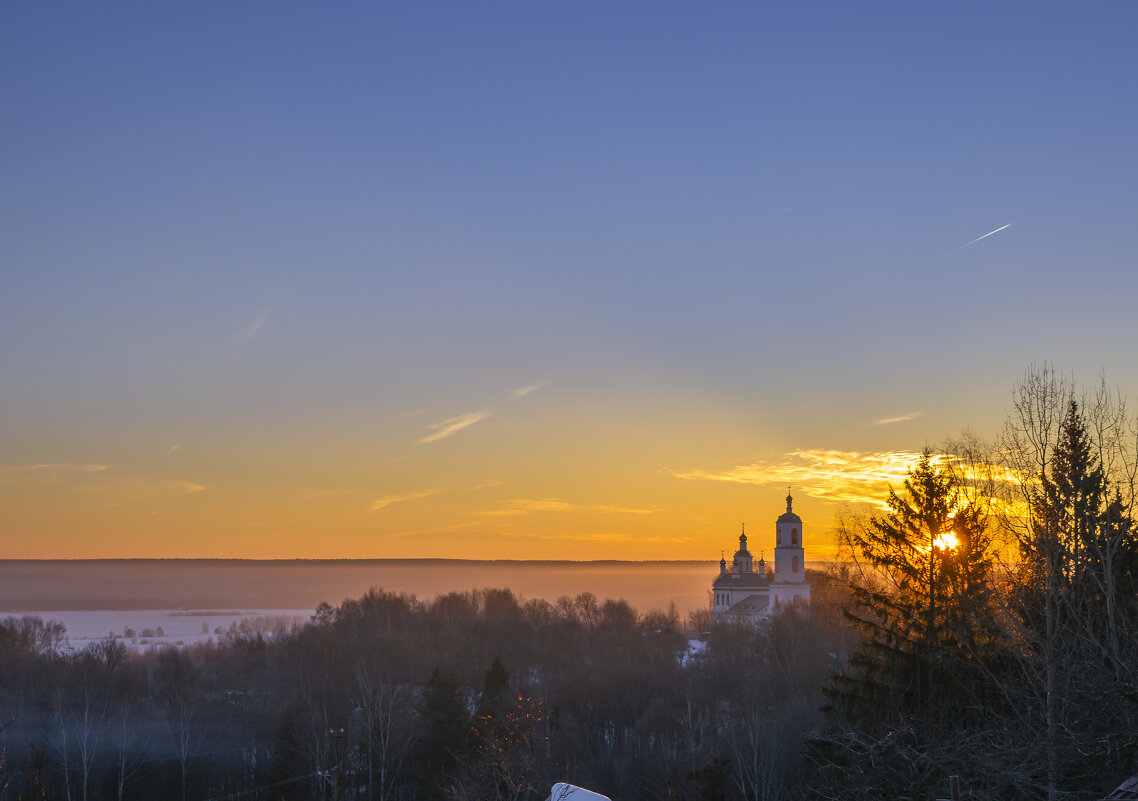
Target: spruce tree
column 919, row 599
column 1075, row 601
column 446, row 733
column 920, row 584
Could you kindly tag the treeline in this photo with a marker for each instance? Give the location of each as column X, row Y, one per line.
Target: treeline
column 472, row 695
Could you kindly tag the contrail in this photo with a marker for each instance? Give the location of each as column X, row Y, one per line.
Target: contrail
column 985, row 236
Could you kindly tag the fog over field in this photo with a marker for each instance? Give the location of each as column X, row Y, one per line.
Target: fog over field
column 143, row 584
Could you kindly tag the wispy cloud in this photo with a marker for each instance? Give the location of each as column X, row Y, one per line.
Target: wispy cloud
column 519, row 506
column 56, row 466
column 53, row 470
column 247, row 333
column 845, row 476
column 95, row 478
column 901, row 418
column 598, row 536
column 175, row 448
column 383, row 503
column 452, row 426
column 240, row 339
column 137, row 488
column 523, row 391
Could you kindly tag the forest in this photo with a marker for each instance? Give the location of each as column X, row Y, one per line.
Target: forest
column 981, row 624
column 470, row 695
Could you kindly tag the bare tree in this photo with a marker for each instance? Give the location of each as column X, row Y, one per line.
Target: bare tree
column 79, row 726
column 130, row 747
column 385, row 742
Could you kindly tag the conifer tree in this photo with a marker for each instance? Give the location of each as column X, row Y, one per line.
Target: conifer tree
column 1075, row 602
column 495, row 688
column 446, row 733
column 919, row 593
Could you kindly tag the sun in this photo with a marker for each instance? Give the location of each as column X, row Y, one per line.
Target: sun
column 946, row 541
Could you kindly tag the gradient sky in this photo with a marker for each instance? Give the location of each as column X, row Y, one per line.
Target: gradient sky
column 537, row 280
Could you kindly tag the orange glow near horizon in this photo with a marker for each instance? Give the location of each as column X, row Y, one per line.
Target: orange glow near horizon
column 619, row 509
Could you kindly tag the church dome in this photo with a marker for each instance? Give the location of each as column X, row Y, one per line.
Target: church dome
column 789, row 516
column 742, row 552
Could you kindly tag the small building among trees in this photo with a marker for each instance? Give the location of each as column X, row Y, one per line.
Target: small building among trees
column 746, row 593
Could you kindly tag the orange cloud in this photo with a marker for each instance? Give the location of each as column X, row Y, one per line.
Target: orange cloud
column 844, row 476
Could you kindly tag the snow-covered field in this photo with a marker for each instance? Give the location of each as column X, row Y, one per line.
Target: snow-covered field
column 157, row 603
column 142, row 630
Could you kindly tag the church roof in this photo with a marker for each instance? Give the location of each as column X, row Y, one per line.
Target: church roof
column 750, row 606
column 744, row 581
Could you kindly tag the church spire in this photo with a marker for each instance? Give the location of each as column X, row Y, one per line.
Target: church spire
column 789, row 500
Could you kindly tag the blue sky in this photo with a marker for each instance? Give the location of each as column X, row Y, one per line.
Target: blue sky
column 289, row 240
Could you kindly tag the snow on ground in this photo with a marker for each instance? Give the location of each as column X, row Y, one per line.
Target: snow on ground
column 696, row 648
column 142, row 630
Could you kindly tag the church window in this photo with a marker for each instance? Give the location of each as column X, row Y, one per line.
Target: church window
column 778, row 536
column 794, row 564
column 794, row 536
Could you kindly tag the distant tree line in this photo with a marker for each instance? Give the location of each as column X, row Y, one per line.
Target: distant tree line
column 471, row 695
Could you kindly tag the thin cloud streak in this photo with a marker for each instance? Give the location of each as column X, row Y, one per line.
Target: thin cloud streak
column 974, row 241
column 50, row 471
column 452, row 426
column 985, row 236
column 95, row 478
column 238, row 341
column 902, row 418
column 27, row 468
column 520, row 506
column 247, row 333
column 967, row 245
column 383, row 503
column 523, row 391
column 591, row 537
column 127, row 487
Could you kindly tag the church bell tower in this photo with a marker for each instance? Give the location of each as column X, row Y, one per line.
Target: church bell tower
column 789, row 559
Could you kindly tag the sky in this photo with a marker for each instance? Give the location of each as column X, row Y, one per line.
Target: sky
column 537, row 280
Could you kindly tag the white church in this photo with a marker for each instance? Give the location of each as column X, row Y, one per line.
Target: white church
column 746, row 593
